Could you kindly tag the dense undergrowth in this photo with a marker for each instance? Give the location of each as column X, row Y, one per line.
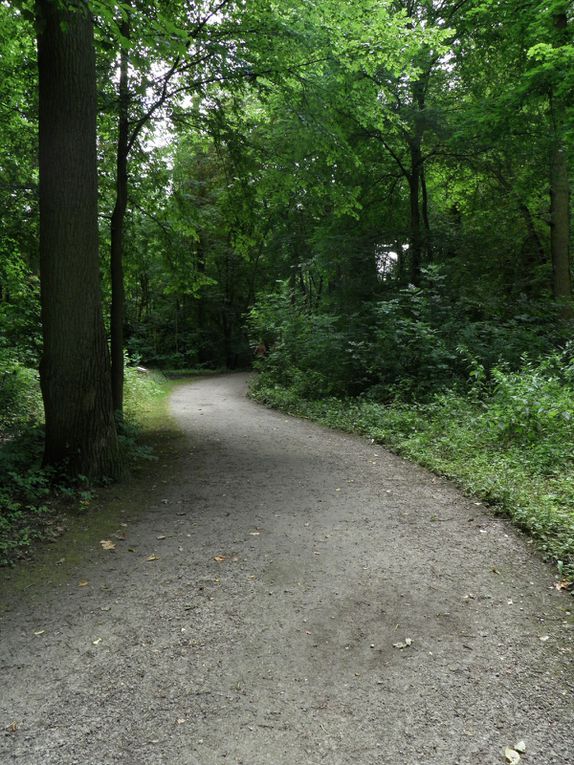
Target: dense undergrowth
column 485, row 400
column 31, row 496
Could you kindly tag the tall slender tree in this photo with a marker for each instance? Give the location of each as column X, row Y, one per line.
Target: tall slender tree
column 559, row 178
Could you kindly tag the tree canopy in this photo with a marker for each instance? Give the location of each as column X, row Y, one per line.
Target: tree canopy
column 378, row 191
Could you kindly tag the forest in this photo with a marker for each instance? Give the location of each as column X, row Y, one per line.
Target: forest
column 369, row 202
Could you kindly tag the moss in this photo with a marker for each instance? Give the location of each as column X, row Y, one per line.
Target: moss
column 86, row 523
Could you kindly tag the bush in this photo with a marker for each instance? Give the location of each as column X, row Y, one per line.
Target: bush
column 533, row 409
column 405, row 347
column 20, row 398
column 140, row 389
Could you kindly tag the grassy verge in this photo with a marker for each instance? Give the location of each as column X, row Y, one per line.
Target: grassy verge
column 33, row 505
column 530, row 480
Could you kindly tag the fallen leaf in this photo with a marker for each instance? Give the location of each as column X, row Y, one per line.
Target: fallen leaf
column 512, row 756
column 152, row 557
column 107, row 544
column 565, row 584
column 520, row 747
column 13, row 727
column 97, row 642
column 180, row 721
column 83, row 583
column 219, row 558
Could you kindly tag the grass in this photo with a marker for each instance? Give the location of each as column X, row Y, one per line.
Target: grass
column 106, row 511
column 531, row 480
column 32, row 507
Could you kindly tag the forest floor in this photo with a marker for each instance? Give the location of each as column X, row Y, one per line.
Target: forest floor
column 286, row 595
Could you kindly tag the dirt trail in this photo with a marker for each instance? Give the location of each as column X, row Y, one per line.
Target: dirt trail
column 281, row 652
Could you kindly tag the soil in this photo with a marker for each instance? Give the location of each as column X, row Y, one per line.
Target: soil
column 289, row 596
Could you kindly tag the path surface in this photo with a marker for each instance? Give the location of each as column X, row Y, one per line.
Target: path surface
column 283, row 652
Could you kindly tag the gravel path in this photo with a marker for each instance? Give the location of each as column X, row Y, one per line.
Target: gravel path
column 291, row 563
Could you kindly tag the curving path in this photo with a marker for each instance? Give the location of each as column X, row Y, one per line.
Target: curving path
column 282, row 651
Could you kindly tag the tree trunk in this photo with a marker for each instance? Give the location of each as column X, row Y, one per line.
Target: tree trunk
column 75, row 371
column 415, row 251
column 426, row 218
column 560, row 187
column 560, row 222
column 117, row 314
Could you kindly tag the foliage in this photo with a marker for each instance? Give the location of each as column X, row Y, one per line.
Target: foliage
column 31, row 496
column 406, row 346
column 20, row 399
column 143, row 388
column 363, row 187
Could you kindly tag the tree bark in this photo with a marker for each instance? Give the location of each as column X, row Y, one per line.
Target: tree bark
column 560, row 187
column 415, row 250
column 560, row 222
column 428, row 250
column 117, row 314
column 74, row 371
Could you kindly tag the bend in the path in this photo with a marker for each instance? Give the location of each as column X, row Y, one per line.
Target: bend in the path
column 291, row 563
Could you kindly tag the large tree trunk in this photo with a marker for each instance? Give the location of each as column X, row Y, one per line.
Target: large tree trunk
column 117, row 314
column 75, row 370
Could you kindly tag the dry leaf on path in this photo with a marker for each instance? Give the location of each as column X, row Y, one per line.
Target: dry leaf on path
column 97, row 642
column 565, row 584
column 152, row 557
column 219, row 558
column 107, row 544
column 83, row 583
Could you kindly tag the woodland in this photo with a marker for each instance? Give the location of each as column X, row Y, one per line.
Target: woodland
column 369, row 201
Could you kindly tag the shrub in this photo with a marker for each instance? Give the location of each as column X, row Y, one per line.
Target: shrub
column 20, row 398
